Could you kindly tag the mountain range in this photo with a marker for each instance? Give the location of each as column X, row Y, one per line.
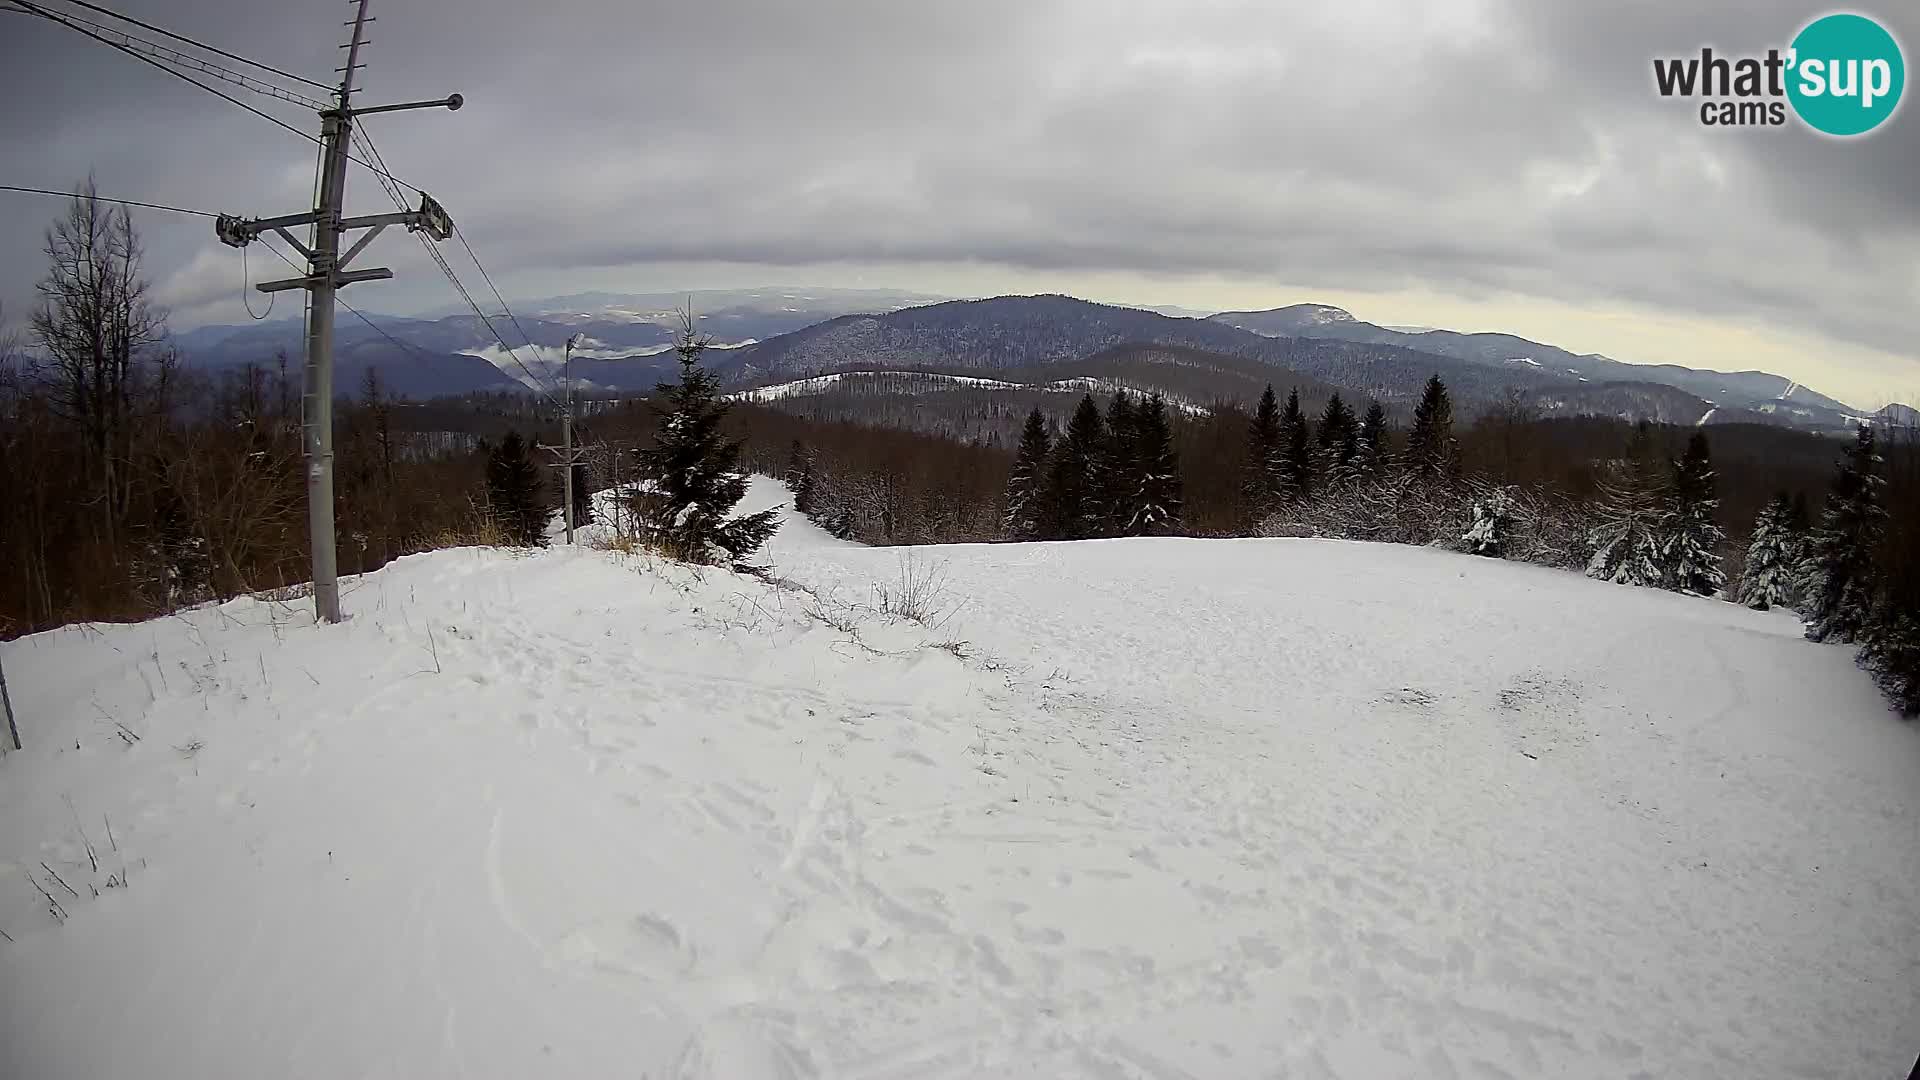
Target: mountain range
column 778, row 335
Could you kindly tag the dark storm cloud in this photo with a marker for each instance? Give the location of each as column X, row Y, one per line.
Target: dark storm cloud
column 1457, row 147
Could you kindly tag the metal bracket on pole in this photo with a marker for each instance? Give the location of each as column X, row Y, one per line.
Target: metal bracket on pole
column 361, row 245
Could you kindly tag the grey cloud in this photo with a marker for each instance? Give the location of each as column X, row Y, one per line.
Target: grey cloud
column 1458, row 146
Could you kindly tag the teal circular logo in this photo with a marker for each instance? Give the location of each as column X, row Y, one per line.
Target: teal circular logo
column 1845, row 74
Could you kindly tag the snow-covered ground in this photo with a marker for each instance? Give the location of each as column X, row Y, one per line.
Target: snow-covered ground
column 1140, row 808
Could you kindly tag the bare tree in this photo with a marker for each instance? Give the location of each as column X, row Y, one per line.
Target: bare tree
column 101, row 338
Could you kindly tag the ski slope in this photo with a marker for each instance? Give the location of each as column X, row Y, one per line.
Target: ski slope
column 1142, row 808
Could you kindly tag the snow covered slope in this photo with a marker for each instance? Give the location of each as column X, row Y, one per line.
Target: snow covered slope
column 1174, row 808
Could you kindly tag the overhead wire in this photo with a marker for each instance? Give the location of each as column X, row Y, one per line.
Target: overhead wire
column 245, row 281
column 198, row 63
column 541, row 386
column 196, row 44
column 68, row 22
column 103, row 198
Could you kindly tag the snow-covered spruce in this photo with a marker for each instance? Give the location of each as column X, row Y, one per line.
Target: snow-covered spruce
column 1492, row 524
column 1627, row 547
column 1691, row 537
column 1771, row 573
column 1841, row 567
column 690, row 478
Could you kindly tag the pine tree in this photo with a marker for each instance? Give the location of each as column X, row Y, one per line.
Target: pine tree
column 1691, row 538
column 800, row 477
column 1296, row 451
column 1156, row 500
column 1771, row 574
column 1260, row 486
column 1892, row 652
column 1120, row 467
column 1432, row 452
column 1492, row 524
column 1027, row 515
column 1339, row 442
column 1842, row 587
column 1371, row 463
column 516, row 493
column 1074, row 479
column 1633, row 504
column 690, row 479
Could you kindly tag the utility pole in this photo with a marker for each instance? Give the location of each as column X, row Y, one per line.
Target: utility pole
column 566, row 459
column 326, row 273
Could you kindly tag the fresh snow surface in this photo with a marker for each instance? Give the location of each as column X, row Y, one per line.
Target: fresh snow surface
column 1232, row 808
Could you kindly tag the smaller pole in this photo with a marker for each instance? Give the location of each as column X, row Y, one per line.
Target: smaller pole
column 619, row 496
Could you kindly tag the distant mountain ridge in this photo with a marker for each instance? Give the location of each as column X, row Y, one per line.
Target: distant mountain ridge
column 777, row 335
column 1752, row 391
column 1325, row 343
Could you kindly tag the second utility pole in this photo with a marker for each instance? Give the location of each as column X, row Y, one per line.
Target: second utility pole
column 567, row 458
column 326, row 272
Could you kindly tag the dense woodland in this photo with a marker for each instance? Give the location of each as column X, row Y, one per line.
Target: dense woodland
column 136, row 485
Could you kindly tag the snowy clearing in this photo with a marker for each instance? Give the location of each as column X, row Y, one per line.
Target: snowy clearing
column 1133, row 808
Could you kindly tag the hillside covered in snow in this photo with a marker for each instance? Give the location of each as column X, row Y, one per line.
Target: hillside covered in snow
column 1130, row 808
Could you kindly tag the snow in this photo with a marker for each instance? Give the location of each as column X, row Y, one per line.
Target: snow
column 1705, row 416
column 1174, row 808
column 1524, row 360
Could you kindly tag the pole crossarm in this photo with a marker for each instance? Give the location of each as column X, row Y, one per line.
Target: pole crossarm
column 432, row 219
column 314, row 281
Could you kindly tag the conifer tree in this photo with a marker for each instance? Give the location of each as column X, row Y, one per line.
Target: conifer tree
column 1339, row 442
column 1892, row 651
column 1073, row 476
column 1372, row 460
column 516, row 494
column 1156, row 498
column 1801, row 519
column 800, row 477
column 1432, row 451
column 1492, row 524
column 1691, row 538
column 1842, row 585
column 1026, row 516
column 1260, row 486
column 690, row 478
column 1633, row 504
column 1296, row 451
column 1771, row 575
column 582, row 495
column 1120, row 468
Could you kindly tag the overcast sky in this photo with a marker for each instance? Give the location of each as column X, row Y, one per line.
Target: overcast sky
column 1473, row 164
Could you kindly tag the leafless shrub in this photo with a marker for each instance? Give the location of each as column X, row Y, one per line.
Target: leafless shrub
column 922, row 594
